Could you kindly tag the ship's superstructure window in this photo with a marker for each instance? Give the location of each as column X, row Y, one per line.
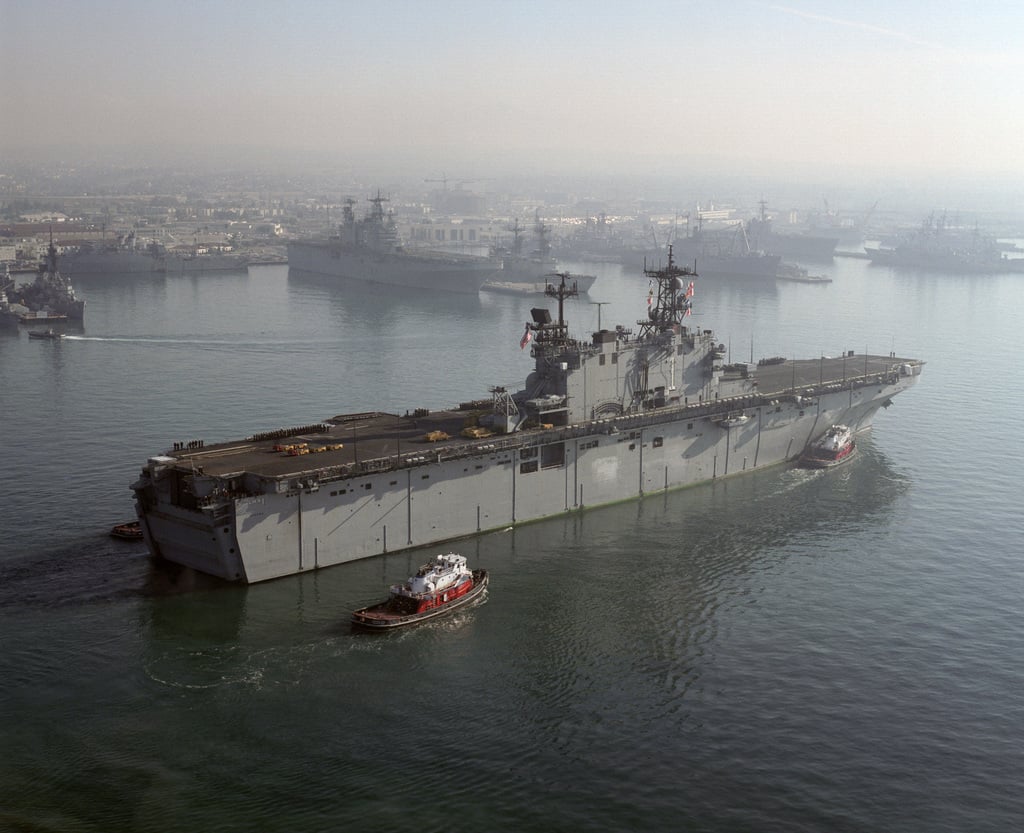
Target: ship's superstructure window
column 367, row 486
column 527, row 453
column 601, row 360
column 615, row 358
column 658, row 442
column 527, row 468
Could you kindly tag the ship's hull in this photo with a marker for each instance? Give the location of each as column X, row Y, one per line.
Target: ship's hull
column 710, row 265
column 430, row 499
column 942, row 261
column 798, row 246
column 736, row 266
column 427, row 271
column 200, row 264
column 121, row 262
column 129, row 262
column 535, row 275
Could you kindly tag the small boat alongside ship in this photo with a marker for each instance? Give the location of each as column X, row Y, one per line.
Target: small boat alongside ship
column 438, row 588
column 834, row 447
column 128, row 531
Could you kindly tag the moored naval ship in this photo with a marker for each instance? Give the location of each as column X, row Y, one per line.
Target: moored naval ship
column 808, row 246
column 369, row 250
column 51, row 296
column 128, row 256
column 613, row 416
column 125, row 255
column 529, row 273
column 939, row 247
column 726, row 253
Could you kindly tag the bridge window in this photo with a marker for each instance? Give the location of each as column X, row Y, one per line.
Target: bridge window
column 527, row 468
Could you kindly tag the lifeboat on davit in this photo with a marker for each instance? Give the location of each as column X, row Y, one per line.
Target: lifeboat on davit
column 834, row 447
column 438, row 588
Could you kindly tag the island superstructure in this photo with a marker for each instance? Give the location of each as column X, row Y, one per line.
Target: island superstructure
column 616, row 415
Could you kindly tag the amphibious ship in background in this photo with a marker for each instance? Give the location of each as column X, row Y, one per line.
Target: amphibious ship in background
column 615, row 415
column 369, row 250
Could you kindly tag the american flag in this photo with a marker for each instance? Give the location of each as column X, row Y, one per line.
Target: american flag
column 527, row 337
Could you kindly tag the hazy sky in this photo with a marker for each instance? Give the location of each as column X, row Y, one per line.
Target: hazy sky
column 595, row 85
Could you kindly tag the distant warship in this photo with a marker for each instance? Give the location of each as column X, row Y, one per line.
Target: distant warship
column 530, row 272
column 601, row 419
column 127, row 257
column 51, row 295
column 726, row 253
column 369, row 250
column 939, row 247
column 800, row 246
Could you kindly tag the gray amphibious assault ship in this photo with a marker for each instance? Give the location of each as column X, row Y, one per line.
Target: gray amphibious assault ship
column 616, row 416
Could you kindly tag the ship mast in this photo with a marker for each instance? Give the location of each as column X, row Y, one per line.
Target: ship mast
column 552, row 334
column 669, row 299
column 560, row 331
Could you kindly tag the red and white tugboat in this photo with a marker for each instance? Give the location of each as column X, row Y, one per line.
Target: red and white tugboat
column 438, row 588
column 835, row 447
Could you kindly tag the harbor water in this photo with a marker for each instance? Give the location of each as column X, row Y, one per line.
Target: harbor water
column 788, row 650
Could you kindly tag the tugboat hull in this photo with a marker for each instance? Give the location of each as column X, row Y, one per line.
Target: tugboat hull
column 380, row 617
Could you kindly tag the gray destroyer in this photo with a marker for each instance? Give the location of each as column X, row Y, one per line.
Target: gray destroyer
column 617, row 415
column 369, row 250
